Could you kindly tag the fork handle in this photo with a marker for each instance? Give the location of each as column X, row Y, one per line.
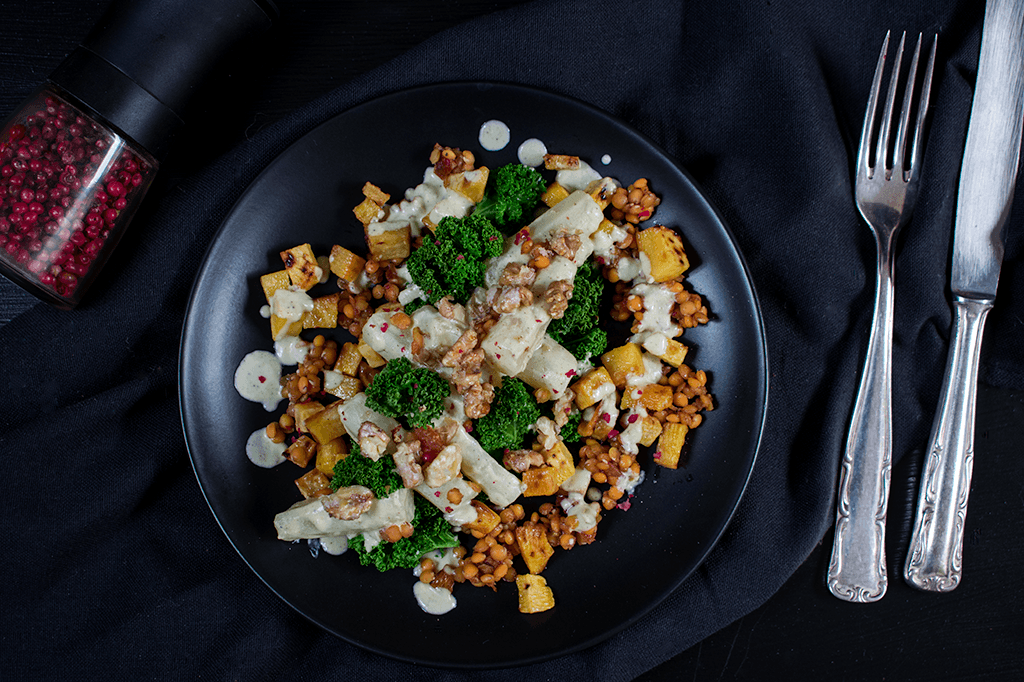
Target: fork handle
column 856, row 571
column 934, row 560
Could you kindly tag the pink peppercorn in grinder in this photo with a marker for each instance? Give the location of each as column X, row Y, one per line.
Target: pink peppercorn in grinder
column 77, row 158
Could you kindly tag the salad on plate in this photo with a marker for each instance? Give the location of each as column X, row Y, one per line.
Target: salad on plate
column 514, row 358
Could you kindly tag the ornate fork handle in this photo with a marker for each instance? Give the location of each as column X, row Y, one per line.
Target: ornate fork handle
column 857, row 569
column 934, row 560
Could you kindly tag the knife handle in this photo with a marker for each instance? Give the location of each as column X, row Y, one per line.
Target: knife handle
column 856, row 571
column 934, row 560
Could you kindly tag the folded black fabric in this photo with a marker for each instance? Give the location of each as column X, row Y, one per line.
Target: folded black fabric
column 114, row 567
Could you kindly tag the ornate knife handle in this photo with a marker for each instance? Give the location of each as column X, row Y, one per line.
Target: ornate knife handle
column 935, row 557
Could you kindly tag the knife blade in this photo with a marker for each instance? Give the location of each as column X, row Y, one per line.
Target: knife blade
column 987, row 178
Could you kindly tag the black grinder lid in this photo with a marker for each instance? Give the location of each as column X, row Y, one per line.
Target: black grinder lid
column 144, row 59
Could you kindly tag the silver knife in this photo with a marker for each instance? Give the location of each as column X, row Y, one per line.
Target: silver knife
column 987, row 179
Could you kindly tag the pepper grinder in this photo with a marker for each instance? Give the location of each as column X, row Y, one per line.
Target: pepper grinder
column 78, row 156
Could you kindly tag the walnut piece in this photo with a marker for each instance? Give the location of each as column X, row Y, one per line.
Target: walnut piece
column 517, row 274
column 466, row 343
column 373, row 441
column 557, row 296
column 348, row 503
column 565, row 245
column 407, row 463
column 521, row 460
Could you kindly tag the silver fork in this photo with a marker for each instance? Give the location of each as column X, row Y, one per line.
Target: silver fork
column 886, row 187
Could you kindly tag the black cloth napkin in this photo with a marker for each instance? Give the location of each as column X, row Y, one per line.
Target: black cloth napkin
column 115, row 569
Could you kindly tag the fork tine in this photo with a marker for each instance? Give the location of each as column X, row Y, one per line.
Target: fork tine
column 926, row 90
column 867, row 131
column 882, row 150
column 899, row 148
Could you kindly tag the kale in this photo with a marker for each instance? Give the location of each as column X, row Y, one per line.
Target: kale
column 431, row 532
column 577, row 329
column 452, row 260
column 356, row 469
column 513, row 411
column 512, row 192
column 413, row 394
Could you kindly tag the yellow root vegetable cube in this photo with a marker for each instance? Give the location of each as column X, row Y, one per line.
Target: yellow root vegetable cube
column 561, row 162
column 343, row 387
column 622, row 362
column 675, row 353
column 593, row 387
column 375, row 194
column 330, row 453
column 324, row 314
column 372, row 357
column 470, row 184
column 664, row 248
column 280, row 327
column 534, row 546
column 302, row 412
column 547, row 479
column 651, row 430
column 325, row 426
column 272, row 281
column 670, row 445
column 303, row 270
column 656, row 397
column 389, row 244
column 345, row 264
column 534, row 594
column 554, row 194
column 601, row 191
column 348, row 359
column 313, row 484
column 486, row 519
column 368, row 211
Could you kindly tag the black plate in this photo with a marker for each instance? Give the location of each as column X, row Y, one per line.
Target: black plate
column 642, row 554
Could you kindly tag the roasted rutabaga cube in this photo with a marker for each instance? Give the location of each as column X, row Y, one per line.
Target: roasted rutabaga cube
column 534, row 546
column 470, row 184
column 595, row 386
column 301, row 265
column 622, row 362
column 345, row 264
column 545, row 480
column 534, row 594
column 670, row 445
column 664, row 249
column 387, row 242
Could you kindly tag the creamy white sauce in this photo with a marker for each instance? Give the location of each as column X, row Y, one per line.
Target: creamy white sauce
column 585, row 513
column 658, row 302
column 258, row 378
column 657, row 343
column 436, row 601
column 577, row 179
column 334, row 546
column 629, row 438
column 629, row 268
column 606, row 159
column 291, row 350
column 290, row 304
column 429, row 199
column 494, row 135
column 604, row 244
column 332, row 379
column 262, row 451
column 531, row 152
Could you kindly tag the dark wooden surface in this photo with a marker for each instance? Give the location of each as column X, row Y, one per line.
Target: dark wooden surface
column 977, row 632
